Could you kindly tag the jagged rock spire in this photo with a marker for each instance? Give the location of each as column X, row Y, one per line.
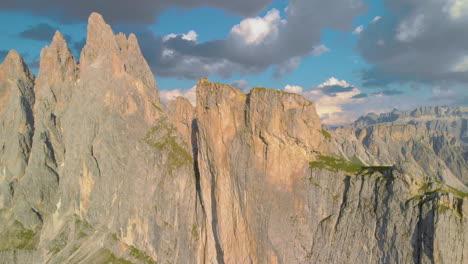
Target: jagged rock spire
column 57, row 62
column 14, row 65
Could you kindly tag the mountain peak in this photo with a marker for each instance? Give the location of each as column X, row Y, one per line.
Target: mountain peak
column 99, row 32
column 58, row 37
column 57, row 61
column 13, row 58
column 14, row 65
column 96, row 19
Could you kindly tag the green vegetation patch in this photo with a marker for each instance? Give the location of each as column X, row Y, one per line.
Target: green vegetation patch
column 163, row 138
column 369, row 170
column 83, row 223
column 60, row 241
column 105, row 256
column 335, row 164
column 357, row 160
column 16, row 236
column 195, row 233
column 140, row 255
column 313, row 182
column 456, row 192
column 442, row 209
column 339, row 164
column 432, row 190
column 82, row 230
column 327, row 135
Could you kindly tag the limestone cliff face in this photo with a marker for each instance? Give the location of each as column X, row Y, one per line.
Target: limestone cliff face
column 253, row 151
column 17, row 122
column 269, row 206
column 17, row 99
column 94, row 169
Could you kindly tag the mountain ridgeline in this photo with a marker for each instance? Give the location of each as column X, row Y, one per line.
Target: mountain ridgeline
column 95, row 169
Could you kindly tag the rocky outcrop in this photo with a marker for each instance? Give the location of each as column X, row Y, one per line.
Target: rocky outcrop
column 181, row 114
column 94, row 169
column 253, row 151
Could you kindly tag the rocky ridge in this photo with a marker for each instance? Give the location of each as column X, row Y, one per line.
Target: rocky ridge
column 94, row 169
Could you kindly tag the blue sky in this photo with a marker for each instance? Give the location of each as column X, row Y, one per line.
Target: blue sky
column 398, row 59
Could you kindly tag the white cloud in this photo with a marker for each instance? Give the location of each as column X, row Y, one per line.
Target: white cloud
column 293, row 88
column 410, row 29
column 334, row 81
column 377, row 18
column 190, row 36
column 320, row 49
column 169, row 95
column 329, row 106
column 254, row 31
column 358, row 30
column 457, row 8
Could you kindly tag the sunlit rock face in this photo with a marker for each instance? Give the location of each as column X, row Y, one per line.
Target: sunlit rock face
column 95, row 169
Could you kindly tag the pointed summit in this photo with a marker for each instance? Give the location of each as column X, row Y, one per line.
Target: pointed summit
column 13, row 55
column 58, row 37
column 96, row 18
column 99, row 32
column 14, row 65
column 57, row 61
column 100, row 42
column 59, row 43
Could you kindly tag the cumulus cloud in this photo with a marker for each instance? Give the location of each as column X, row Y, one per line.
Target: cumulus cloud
column 331, row 96
column 457, row 8
column 293, row 88
column 375, row 19
column 169, row 95
column 417, row 42
column 338, row 102
column 253, row 31
column 190, row 36
column 320, row 49
column 255, row 44
column 358, row 30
